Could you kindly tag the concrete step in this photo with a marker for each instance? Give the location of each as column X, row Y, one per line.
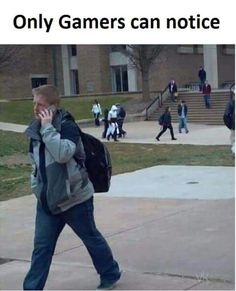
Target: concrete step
column 197, row 112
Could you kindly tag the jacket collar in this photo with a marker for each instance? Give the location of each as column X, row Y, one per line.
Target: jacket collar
column 33, row 130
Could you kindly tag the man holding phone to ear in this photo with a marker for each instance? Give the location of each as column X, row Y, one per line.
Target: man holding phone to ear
column 63, row 190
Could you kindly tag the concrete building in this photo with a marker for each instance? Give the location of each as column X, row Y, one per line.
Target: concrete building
column 89, row 69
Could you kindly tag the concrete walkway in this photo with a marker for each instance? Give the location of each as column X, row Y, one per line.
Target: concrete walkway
column 170, row 227
column 146, row 131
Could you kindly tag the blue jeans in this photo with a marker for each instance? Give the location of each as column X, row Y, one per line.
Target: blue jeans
column 47, row 230
column 183, row 124
column 207, row 100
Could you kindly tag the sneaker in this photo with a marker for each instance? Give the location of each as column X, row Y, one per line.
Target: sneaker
column 187, row 131
column 174, row 138
column 157, row 139
column 108, row 285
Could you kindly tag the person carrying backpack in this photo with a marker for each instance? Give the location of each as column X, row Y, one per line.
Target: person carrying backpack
column 229, row 119
column 63, row 190
column 165, row 122
column 121, row 113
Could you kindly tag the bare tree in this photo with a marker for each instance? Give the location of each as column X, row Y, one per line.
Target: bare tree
column 143, row 57
column 8, row 54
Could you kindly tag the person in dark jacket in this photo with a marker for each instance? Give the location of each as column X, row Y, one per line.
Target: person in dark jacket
column 202, row 77
column 121, row 114
column 206, row 90
column 182, row 112
column 165, row 122
column 229, row 119
column 63, row 190
column 106, row 123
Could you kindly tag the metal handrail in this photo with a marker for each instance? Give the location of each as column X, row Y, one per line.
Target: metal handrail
column 158, row 98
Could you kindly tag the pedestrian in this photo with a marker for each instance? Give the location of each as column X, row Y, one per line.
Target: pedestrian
column 173, row 90
column 106, row 123
column 97, row 111
column 202, row 77
column 165, row 122
column 229, row 119
column 121, row 114
column 206, row 90
column 113, row 129
column 63, row 190
column 182, row 112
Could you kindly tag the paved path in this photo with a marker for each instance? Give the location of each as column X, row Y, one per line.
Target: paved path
column 170, row 227
column 145, row 132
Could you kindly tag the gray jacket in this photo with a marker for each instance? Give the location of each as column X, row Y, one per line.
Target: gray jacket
column 58, row 180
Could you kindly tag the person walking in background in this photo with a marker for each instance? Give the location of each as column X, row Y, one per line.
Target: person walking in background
column 165, row 122
column 120, row 120
column 63, row 190
column 106, row 123
column 173, row 90
column 229, row 119
column 182, row 112
column 202, row 77
column 206, row 90
column 97, row 111
column 113, row 129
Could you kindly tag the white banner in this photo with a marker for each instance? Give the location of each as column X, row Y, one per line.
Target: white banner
column 117, row 22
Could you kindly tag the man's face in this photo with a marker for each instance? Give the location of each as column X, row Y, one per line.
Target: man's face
column 40, row 104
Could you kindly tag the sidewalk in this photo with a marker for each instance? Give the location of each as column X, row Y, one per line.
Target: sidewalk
column 170, row 227
column 146, row 131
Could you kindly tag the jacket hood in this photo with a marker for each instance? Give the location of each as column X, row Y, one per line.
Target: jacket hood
column 113, row 108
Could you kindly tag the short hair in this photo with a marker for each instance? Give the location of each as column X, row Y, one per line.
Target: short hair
column 50, row 92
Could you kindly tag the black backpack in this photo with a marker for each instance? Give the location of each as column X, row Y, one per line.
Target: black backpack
column 97, row 162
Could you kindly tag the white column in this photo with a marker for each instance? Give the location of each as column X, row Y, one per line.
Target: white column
column 211, row 64
column 66, row 70
column 132, row 77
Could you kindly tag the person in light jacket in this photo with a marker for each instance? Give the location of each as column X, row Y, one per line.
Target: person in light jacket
column 97, row 111
column 63, row 190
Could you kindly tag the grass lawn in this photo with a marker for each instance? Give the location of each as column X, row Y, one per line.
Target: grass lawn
column 14, row 177
column 21, row 111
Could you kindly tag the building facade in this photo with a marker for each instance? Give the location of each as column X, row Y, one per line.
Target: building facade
column 90, row 69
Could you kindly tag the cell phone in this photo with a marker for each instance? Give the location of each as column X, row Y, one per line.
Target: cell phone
column 52, row 108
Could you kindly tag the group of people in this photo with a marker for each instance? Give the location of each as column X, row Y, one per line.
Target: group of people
column 113, row 120
column 165, row 120
column 204, row 87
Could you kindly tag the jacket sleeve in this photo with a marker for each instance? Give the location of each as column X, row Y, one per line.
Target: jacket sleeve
column 61, row 145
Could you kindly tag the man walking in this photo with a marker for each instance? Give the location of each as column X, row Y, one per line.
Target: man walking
column 229, row 119
column 182, row 112
column 63, row 190
column 165, row 122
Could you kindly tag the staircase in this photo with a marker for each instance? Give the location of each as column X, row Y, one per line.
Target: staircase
column 197, row 113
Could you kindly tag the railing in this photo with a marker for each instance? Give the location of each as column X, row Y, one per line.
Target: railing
column 192, row 86
column 158, row 99
column 227, row 85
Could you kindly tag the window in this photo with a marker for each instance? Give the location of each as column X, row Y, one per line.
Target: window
column 118, row 48
column 119, row 78
column 36, row 82
column 228, row 49
column 190, row 49
column 73, row 50
column 74, row 82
